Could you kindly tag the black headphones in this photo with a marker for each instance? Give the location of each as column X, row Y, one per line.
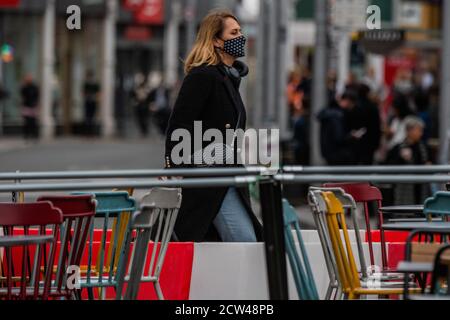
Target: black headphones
column 236, row 72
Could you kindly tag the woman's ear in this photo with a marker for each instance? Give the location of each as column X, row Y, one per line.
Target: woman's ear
column 218, row 43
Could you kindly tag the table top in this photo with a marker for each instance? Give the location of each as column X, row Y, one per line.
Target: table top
column 410, row 226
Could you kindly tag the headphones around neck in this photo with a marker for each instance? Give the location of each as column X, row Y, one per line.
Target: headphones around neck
column 237, row 71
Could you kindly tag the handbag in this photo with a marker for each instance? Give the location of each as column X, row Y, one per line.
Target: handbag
column 207, row 157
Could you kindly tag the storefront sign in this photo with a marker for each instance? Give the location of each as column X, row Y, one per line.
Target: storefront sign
column 381, row 41
column 9, row 3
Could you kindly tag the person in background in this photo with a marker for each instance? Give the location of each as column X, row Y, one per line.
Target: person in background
column 365, row 118
column 422, row 104
column 159, row 99
column 141, row 106
column 336, row 140
column 91, row 90
column 301, row 133
column 411, row 151
column 395, row 130
column 30, row 107
column 293, row 96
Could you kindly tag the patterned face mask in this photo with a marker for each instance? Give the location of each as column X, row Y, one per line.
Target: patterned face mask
column 235, row 47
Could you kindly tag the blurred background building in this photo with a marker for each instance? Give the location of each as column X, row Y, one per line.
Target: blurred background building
column 122, row 42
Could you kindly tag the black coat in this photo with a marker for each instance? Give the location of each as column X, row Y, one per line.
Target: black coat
column 208, row 95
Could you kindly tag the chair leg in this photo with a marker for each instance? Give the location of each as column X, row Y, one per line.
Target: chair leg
column 158, row 290
column 329, row 293
column 90, row 293
column 369, row 233
column 384, row 260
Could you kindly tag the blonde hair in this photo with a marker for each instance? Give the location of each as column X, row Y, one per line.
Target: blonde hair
column 203, row 51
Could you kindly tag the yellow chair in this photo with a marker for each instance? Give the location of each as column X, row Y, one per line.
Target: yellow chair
column 345, row 260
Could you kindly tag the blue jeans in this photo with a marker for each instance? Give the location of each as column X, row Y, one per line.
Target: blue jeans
column 233, row 221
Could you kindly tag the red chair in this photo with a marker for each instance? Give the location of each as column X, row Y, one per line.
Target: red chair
column 27, row 273
column 366, row 194
column 78, row 213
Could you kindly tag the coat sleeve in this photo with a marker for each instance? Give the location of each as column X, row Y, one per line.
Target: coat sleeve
column 191, row 101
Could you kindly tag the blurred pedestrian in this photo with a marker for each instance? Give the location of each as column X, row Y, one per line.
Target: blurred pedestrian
column 91, row 90
column 159, row 99
column 141, row 106
column 30, row 107
column 395, row 130
column 364, row 118
column 336, row 140
column 301, row 133
column 411, row 151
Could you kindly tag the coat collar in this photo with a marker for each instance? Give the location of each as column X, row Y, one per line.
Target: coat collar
column 232, row 92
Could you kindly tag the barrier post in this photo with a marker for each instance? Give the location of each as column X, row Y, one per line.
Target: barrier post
column 272, row 214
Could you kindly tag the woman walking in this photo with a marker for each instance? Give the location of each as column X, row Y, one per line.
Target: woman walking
column 210, row 94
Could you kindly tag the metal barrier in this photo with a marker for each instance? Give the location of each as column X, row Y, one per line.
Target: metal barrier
column 201, row 172
column 367, row 169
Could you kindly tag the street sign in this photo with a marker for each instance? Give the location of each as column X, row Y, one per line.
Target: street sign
column 382, row 41
column 348, row 14
column 9, row 3
column 146, row 11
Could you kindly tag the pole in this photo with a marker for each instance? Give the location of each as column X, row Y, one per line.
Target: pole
column 108, row 74
column 261, row 63
column 444, row 104
column 320, row 77
column 272, row 213
column 282, row 55
column 48, row 58
column 191, row 22
column 171, row 37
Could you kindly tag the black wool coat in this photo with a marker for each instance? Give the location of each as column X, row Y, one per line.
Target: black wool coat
column 208, row 95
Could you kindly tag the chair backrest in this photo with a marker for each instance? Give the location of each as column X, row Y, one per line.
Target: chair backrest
column 78, row 213
column 346, row 265
column 441, row 272
column 33, row 227
column 361, row 192
column 300, row 266
column 438, row 205
column 349, row 204
column 115, row 209
column 154, row 222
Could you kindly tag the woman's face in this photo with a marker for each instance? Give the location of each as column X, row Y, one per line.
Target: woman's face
column 231, row 30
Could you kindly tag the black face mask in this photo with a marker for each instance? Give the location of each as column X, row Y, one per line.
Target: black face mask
column 235, row 47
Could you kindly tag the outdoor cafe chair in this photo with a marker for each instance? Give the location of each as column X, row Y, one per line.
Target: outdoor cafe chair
column 349, row 204
column 154, row 222
column 300, row 266
column 28, row 249
column 105, row 251
column 351, row 284
column 369, row 196
column 78, row 213
column 424, row 257
column 318, row 208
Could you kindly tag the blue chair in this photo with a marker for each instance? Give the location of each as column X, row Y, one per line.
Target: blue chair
column 113, row 211
column 300, row 266
column 438, row 205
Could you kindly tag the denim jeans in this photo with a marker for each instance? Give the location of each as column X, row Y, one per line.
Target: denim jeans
column 233, row 221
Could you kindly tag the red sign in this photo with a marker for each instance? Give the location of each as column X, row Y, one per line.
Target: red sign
column 9, row 3
column 133, row 5
column 137, row 33
column 152, row 12
column 146, row 11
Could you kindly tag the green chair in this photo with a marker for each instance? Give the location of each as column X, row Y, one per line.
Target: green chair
column 438, row 205
column 300, row 266
column 113, row 212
